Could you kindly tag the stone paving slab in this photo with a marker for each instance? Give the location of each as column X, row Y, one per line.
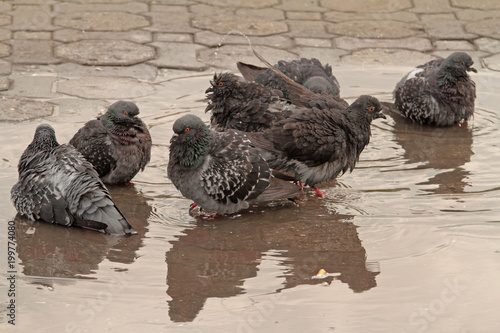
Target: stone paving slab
column 101, row 50
column 20, row 108
column 105, row 52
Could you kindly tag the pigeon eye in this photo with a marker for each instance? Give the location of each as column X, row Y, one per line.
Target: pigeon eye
column 371, row 109
column 187, row 129
column 125, row 113
column 221, row 84
column 461, row 63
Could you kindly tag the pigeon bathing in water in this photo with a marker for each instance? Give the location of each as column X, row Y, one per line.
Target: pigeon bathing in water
column 315, row 145
column 118, row 143
column 308, row 72
column 220, row 171
column 244, row 106
column 439, row 92
column 57, row 185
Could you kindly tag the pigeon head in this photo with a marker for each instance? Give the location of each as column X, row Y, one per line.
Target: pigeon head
column 368, row 106
column 44, row 140
column 122, row 113
column 190, row 142
column 222, row 85
column 458, row 64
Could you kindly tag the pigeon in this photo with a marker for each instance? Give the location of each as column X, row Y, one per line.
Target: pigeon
column 117, row 143
column 57, row 185
column 438, row 93
column 244, row 106
column 220, row 171
column 308, row 72
column 315, row 145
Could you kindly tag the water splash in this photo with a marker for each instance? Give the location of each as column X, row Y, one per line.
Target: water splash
column 221, row 42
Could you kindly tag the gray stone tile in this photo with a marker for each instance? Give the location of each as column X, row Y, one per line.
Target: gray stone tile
column 386, row 57
column 242, row 3
column 169, row 8
column 4, row 19
column 101, row 21
column 4, row 83
column 485, row 28
column 493, row 62
column 376, row 29
column 31, row 86
column 303, row 15
column 105, row 88
column 488, row 44
column 313, row 42
column 178, row 55
column 5, row 7
column 140, row 71
column 5, row 67
column 301, row 5
column 483, row 4
column 105, row 52
column 411, row 43
column 266, row 14
column 447, row 29
column 20, row 108
column 212, row 39
column 32, row 18
column 206, row 10
column 70, row 35
column 306, row 29
column 5, row 34
column 432, row 6
column 130, row 7
column 363, row 6
column 461, row 45
column 477, row 15
column 176, row 38
column 4, row 50
column 178, row 23
column 226, row 57
column 248, row 25
column 335, row 16
column 32, row 52
column 34, row 35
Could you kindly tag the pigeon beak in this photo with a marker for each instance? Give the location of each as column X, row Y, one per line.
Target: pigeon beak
column 471, row 69
column 174, row 137
column 380, row 115
column 209, row 90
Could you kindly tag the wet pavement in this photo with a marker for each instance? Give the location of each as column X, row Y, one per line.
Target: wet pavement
column 409, row 239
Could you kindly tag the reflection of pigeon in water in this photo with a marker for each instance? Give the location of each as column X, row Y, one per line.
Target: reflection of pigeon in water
column 220, row 171
column 316, row 145
column 439, row 92
column 118, row 143
column 308, row 72
column 245, row 106
column 57, row 185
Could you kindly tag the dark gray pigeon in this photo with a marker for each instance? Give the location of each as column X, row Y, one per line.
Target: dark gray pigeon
column 308, row 72
column 439, row 92
column 57, row 185
column 220, row 171
column 244, row 106
column 118, row 143
column 316, row 145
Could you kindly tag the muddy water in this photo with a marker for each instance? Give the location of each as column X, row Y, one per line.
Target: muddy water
column 410, row 240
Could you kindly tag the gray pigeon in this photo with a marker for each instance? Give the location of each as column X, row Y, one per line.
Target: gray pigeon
column 439, row 92
column 220, row 171
column 244, row 106
column 316, row 145
column 118, row 143
column 57, row 185
column 308, row 72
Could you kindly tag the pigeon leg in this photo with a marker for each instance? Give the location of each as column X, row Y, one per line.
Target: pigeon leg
column 129, row 183
column 318, row 192
column 192, row 206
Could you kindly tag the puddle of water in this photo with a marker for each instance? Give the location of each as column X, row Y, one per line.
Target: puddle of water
column 410, row 238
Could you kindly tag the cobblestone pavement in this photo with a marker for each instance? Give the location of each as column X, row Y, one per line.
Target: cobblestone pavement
column 103, row 50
